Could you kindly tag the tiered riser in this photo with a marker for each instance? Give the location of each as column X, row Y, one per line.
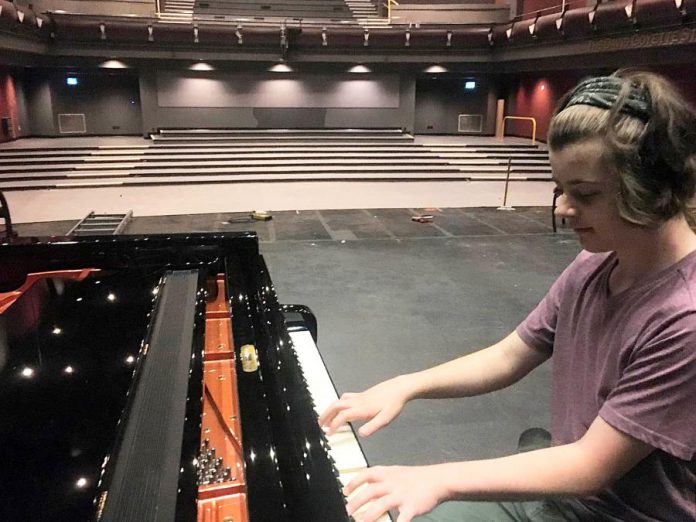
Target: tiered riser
column 228, row 157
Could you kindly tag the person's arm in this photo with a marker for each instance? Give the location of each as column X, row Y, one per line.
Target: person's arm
column 603, row 455
column 490, row 369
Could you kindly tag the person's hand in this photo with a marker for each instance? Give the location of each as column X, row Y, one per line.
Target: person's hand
column 378, row 405
column 412, row 491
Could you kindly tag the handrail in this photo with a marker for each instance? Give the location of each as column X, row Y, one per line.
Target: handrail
column 526, row 118
column 389, row 5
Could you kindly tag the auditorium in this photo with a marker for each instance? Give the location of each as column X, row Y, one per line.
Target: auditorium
column 219, row 217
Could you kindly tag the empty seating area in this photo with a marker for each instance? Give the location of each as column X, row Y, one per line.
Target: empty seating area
column 237, row 156
column 336, row 25
column 326, row 9
column 350, row 12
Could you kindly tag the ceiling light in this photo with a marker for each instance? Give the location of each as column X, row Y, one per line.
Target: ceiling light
column 281, row 67
column 436, row 69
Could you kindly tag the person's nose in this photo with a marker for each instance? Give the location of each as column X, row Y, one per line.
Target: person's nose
column 564, row 208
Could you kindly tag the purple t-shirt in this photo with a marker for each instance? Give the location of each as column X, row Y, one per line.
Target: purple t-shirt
column 631, row 359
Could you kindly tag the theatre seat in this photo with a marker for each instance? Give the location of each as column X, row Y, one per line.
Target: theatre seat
column 612, row 17
column 182, row 34
column 310, row 39
column 77, row 30
column 126, row 31
column 209, row 35
column 547, row 26
column 657, row 13
column 471, row 38
column 688, row 10
column 345, row 38
column 500, row 34
column 576, row 23
column 8, row 13
column 387, row 39
column 523, row 32
column 429, row 39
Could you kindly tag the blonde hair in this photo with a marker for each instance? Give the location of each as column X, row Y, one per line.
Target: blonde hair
column 654, row 157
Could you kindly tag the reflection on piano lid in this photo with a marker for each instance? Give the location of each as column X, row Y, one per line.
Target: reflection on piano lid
column 345, row 449
column 85, row 371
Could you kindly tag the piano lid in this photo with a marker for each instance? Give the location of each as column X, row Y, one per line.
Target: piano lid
column 58, row 450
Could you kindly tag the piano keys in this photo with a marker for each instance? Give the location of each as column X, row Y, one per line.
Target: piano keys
column 345, row 449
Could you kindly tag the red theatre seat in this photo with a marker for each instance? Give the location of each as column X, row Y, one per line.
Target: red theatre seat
column 473, row 38
column 44, row 23
column 522, row 32
column 181, row 34
column 500, row 34
column 387, row 38
column 657, row 13
column 77, row 30
column 219, row 35
column 428, row 39
column 548, row 26
column 8, row 13
column 126, row 31
column 612, row 17
column 345, row 38
column 26, row 17
column 688, row 9
column 260, row 37
column 576, row 22
column 310, row 39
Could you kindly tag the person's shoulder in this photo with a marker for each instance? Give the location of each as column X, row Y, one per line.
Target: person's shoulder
column 686, row 268
column 588, row 262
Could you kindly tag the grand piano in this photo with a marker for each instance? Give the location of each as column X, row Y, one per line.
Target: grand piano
column 157, row 378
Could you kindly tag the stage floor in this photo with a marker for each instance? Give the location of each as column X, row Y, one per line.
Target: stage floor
column 74, row 203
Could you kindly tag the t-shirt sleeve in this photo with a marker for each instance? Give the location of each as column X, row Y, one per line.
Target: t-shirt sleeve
column 538, row 330
column 654, row 400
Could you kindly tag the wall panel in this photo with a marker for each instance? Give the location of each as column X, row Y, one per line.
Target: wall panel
column 536, row 95
column 180, row 99
column 439, row 101
column 8, row 106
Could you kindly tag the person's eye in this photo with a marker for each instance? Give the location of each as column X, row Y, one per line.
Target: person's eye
column 585, row 196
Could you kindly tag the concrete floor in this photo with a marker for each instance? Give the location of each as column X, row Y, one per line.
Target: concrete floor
column 393, row 296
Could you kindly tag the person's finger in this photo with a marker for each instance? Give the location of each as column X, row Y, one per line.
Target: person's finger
column 404, row 516
column 380, row 420
column 364, row 495
column 378, row 508
column 359, row 480
column 326, row 418
column 344, row 417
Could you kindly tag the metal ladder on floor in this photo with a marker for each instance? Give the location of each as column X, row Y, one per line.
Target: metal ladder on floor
column 101, row 224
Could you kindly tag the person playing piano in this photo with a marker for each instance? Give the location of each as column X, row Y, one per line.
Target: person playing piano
column 619, row 325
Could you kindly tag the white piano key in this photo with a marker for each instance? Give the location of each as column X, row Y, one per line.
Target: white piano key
column 344, row 447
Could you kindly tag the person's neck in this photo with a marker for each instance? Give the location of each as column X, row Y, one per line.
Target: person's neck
column 648, row 251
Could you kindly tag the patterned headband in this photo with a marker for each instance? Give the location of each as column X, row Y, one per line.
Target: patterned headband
column 603, row 92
